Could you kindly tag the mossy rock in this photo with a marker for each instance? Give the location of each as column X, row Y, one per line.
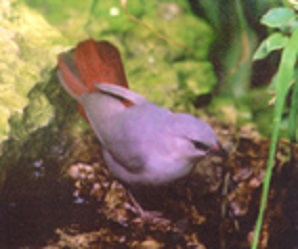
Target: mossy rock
column 28, row 50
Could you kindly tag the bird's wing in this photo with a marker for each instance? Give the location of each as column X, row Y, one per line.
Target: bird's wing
column 121, row 93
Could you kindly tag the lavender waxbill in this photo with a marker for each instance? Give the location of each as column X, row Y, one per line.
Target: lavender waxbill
column 142, row 143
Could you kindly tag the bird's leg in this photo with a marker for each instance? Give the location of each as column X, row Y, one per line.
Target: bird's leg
column 145, row 215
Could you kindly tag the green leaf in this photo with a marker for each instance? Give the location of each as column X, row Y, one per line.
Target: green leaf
column 278, row 17
column 273, row 42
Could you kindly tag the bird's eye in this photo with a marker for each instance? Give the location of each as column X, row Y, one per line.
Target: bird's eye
column 200, row 146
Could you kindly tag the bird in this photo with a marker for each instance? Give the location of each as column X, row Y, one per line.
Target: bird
column 142, row 143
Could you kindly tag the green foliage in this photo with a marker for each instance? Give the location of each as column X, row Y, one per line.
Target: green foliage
column 283, row 19
column 280, row 18
column 274, row 42
column 285, row 78
column 236, row 38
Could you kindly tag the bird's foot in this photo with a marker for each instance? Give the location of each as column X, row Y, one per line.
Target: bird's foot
column 146, row 215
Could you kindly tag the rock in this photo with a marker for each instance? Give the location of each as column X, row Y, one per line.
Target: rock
column 28, row 49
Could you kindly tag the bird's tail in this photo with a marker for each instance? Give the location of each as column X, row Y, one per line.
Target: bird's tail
column 90, row 63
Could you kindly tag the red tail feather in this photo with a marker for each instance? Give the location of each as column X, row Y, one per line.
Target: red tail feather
column 90, row 63
column 99, row 62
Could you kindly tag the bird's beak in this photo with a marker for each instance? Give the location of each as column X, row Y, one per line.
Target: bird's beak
column 219, row 150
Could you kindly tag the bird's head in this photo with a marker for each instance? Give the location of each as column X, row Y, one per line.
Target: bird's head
column 197, row 137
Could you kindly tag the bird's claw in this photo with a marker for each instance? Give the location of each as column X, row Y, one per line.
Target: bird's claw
column 146, row 215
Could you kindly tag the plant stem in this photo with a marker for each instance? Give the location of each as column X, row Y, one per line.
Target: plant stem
column 284, row 78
